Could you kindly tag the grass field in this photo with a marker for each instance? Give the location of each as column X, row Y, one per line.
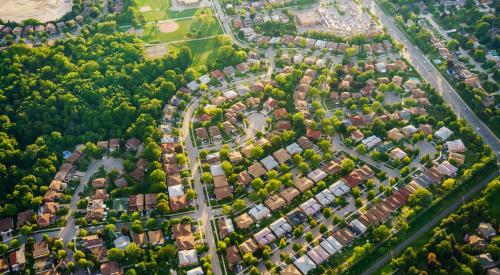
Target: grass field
column 199, row 49
column 160, row 10
column 186, row 26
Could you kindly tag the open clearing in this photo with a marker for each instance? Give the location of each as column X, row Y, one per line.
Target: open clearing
column 155, row 51
column 199, row 49
column 156, row 10
column 41, row 10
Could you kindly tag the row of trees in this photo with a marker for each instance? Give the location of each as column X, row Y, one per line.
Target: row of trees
column 445, row 250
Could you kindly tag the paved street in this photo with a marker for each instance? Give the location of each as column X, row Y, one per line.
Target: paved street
column 70, row 230
column 225, row 23
column 434, row 77
column 203, row 212
column 338, row 145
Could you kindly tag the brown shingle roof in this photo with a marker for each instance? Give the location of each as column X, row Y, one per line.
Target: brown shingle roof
column 303, row 184
column 243, row 221
column 233, row 255
column 185, row 242
column 282, row 155
column 244, row 178
column 289, row 194
column 181, row 229
column 256, row 170
column 274, row 202
column 223, row 193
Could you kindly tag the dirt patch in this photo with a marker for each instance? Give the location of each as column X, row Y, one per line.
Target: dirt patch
column 144, row 8
column 167, row 26
column 42, row 10
column 155, row 51
column 138, row 32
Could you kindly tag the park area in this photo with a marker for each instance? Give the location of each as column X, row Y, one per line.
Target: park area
column 202, row 24
column 154, row 10
column 199, row 49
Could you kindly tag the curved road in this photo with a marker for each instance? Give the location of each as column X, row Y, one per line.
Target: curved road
column 203, row 212
column 434, row 77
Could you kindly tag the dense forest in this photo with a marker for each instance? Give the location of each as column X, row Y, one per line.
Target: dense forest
column 86, row 88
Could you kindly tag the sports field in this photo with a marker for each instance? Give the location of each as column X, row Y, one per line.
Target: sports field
column 190, row 28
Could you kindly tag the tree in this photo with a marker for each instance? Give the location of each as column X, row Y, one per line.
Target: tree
column 361, row 148
column 158, row 181
column 482, row 29
column 238, row 205
column 381, row 233
column 184, row 57
column 137, row 227
column 134, row 253
column 116, row 254
column 190, row 194
column 26, row 230
column 322, row 228
column 356, row 193
column 256, row 152
column 283, row 243
column 168, row 252
column 347, row 165
column 152, row 152
column 226, row 210
column 249, row 259
column 371, row 195
column 227, row 167
column 452, row 45
column 298, row 232
column 422, row 198
column 309, row 237
column 405, row 171
column 358, row 202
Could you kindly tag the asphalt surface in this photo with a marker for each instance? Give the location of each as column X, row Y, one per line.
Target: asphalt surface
column 428, row 226
column 435, row 78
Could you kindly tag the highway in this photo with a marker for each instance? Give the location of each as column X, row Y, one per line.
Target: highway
column 435, row 78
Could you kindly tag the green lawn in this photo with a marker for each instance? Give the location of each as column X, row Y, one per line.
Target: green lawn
column 192, row 26
column 160, row 10
column 200, row 49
